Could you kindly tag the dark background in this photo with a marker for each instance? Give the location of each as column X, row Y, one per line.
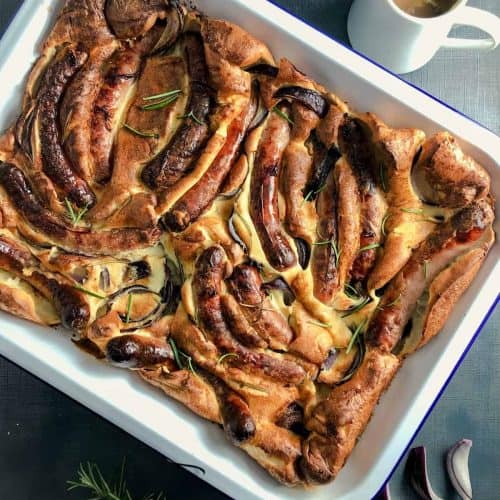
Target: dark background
column 44, row 435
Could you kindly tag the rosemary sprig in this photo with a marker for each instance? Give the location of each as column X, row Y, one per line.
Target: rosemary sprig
column 90, row 477
column 189, row 360
column 153, row 135
column 258, row 306
column 384, row 220
column 177, row 357
column 312, row 193
column 282, row 115
column 371, row 246
column 416, row 211
column 160, row 104
column 351, row 292
column 163, row 95
column 175, row 352
column 355, row 335
column 319, row 323
column 390, row 304
column 226, row 356
column 75, row 216
column 129, row 307
column 336, row 250
column 357, row 307
column 89, row 292
column 192, row 116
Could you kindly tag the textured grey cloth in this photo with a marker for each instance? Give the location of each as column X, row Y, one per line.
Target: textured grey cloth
column 44, row 435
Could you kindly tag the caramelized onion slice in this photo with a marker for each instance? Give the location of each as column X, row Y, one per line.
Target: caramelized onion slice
column 312, row 99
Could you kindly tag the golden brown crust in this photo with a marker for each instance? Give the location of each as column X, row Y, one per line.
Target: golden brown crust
column 222, row 226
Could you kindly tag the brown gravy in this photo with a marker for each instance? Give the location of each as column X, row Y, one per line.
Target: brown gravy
column 425, row 8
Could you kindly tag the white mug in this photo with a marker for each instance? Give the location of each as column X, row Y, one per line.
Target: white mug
column 402, row 43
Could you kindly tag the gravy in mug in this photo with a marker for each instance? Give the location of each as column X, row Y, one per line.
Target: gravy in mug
column 425, row 8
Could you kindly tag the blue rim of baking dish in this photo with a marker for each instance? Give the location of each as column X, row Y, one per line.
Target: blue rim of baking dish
column 418, row 89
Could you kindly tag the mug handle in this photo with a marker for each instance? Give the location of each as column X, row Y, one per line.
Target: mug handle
column 478, row 18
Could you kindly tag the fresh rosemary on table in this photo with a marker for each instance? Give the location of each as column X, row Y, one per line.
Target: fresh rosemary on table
column 90, row 477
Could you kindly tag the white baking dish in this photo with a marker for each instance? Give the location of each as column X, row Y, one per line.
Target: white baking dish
column 167, row 426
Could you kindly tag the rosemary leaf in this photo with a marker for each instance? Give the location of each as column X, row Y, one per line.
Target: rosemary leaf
column 153, row 135
column 390, row 304
column 312, row 193
column 351, row 292
column 189, row 360
column 89, row 292
column 192, row 116
column 319, row 323
column 355, row 335
column 384, row 220
column 75, row 217
column 160, row 104
column 282, row 115
column 175, row 352
column 225, row 356
column 417, row 211
column 170, row 93
column 371, row 246
column 357, row 307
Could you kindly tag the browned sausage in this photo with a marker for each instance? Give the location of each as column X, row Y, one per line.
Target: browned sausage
column 245, row 284
column 237, row 419
column 458, row 235
column 192, row 204
column 207, row 281
column 355, row 143
column 326, row 251
column 75, row 240
column 54, row 162
column 137, row 351
column 69, row 303
column 186, row 145
column 122, row 71
column 264, row 193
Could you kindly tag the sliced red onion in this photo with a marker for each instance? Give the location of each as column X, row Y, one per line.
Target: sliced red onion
column 263, row 69
column 457, row 465
column 330, row 359
column 104, row 279
column 303, row 251
column 234, row 234
column 259, row 117
column 416, row 468
column 280, row 284
column 311, row 99
column 360, row 354
column 384, row 494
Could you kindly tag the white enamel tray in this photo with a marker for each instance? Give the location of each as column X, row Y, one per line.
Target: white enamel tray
column 143, row 411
